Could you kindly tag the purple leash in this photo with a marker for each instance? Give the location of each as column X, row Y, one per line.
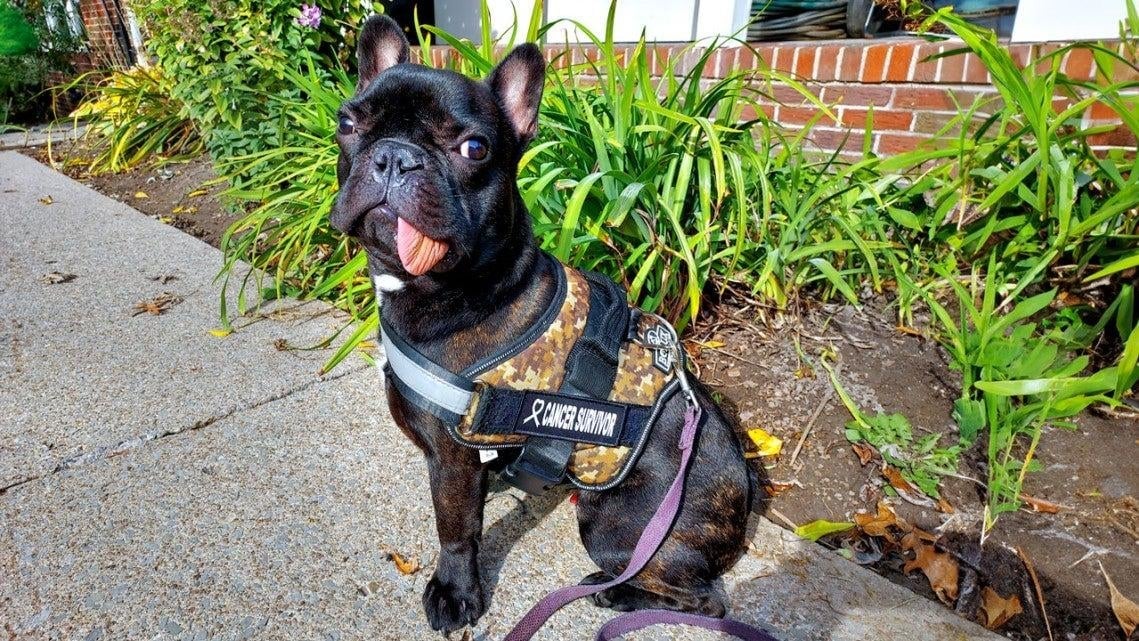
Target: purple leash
column 651, row 539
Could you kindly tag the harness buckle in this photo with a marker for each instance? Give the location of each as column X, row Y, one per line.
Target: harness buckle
column 540, row 466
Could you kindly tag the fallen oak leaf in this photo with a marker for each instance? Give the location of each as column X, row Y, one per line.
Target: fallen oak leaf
column 996, row 610
column 1125, row 610
column 1040, row 505
column 879, row 524
column 939, row 568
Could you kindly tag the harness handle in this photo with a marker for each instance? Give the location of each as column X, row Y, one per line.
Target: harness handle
column 651, row 539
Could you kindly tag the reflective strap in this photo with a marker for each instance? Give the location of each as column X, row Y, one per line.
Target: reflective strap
column 431, row 385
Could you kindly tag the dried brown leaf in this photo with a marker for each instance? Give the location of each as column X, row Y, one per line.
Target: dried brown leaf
column 1040, row 505
column 1126, row 611
column 879, row 524
column 939, row 567
column 996, row 610
column 865, row 452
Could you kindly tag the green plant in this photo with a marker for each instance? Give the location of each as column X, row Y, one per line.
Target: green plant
column 286, row 234
column 1017, row 378
column 132, row 116
column 30, row 50
column 226, row 60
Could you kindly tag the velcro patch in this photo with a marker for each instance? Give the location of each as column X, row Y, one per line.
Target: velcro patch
column 571, row 418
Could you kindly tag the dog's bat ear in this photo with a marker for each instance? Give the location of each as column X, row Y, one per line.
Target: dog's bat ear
column 382, row 45
column 517, row 82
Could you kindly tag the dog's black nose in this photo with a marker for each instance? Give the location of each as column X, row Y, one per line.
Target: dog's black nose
column 394, row 157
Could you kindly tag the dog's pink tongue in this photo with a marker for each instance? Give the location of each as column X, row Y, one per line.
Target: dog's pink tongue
column 417, row 252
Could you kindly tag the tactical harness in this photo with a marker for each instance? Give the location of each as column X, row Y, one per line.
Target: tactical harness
column 578, row 393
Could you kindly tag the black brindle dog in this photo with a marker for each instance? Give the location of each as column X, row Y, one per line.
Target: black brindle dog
column 428, row 161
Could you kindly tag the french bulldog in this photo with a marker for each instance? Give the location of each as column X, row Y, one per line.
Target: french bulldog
column 427, row 185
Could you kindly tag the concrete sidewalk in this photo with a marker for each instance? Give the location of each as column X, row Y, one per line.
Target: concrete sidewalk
column 163, row 483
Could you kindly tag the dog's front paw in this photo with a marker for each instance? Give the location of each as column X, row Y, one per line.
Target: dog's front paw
column 450, row 607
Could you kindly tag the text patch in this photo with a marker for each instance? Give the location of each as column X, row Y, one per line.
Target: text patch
column 571, row 418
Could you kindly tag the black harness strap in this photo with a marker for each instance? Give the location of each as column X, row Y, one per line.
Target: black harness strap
column 591, row 368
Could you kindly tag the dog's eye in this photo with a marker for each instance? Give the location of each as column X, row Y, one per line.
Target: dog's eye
column 473, row 148
column 346, row 126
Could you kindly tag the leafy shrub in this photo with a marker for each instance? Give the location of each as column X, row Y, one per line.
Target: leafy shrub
column 226, row 60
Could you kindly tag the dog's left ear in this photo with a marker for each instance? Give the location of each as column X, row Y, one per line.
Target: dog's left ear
column 517, row 82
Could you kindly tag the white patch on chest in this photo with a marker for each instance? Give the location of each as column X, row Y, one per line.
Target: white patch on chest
column 387, row 283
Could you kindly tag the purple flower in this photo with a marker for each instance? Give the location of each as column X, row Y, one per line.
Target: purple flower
column 310, row 16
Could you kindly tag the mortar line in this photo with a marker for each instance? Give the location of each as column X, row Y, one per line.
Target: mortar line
column 108, row 451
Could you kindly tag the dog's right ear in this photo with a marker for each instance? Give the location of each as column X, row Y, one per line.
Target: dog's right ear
column 382, row 46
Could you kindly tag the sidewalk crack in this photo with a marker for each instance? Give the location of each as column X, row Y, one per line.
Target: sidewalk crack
column 108, row 451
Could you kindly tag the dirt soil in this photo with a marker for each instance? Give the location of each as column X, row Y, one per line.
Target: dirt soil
column 1091, row 473
column 178, row 193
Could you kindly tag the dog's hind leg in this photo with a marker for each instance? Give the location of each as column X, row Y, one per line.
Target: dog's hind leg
column 629, row 596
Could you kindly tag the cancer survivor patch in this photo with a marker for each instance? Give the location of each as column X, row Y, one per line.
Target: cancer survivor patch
column 571, row 418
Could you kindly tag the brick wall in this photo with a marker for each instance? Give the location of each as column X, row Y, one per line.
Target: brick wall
column 911, row 95
column 108, row 43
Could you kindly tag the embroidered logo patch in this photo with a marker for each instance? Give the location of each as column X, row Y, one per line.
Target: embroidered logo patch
column 571, row 419
column 659, row 339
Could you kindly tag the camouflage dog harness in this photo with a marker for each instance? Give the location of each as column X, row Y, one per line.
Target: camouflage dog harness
column 577, row 394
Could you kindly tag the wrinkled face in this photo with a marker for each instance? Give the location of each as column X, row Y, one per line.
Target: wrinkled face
column 428, row 157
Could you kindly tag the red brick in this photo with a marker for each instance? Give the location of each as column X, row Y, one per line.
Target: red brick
column 828, row 62
column 1044, row 64
column 789, row 95
column 899, row 67
column 883, row 119
column 926, row 122
column 782, row 58
column 850, row 63
column 898, row 143
column 799, row 115
column 746, row 58
column 1021, row 54
column 1100, row 112
column 805, row 62
column 923, row 98
column 857, row 95
column 925, row 70
column 748, row 111
column 1119, row 137
column 874, row 63
column 835, row 139
column 952, row 68
column 768, row 57
column 975, row 71
column 1078, row 64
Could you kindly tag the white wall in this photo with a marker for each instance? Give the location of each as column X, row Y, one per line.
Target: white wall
column 661, row 20
column 1047, row 20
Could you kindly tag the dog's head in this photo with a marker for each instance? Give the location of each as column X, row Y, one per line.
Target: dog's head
column 428, row 158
